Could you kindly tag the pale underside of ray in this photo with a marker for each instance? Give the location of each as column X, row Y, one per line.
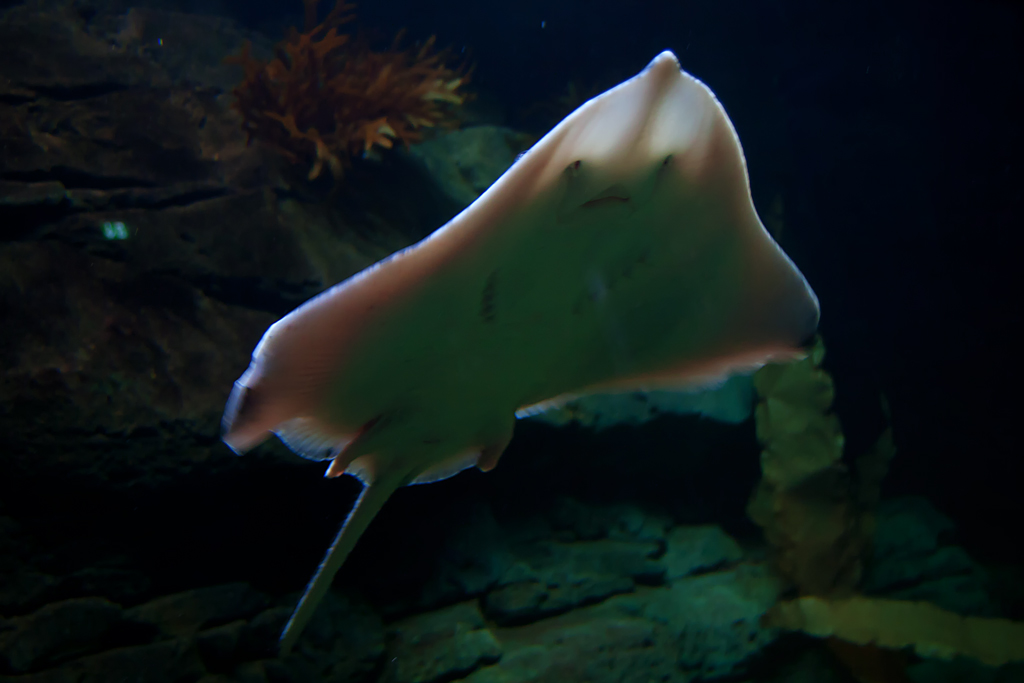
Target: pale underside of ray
column 622, row 251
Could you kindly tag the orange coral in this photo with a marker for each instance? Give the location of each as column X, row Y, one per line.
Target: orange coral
column 326, row 98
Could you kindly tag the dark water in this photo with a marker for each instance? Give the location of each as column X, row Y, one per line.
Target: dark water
column 145, row 248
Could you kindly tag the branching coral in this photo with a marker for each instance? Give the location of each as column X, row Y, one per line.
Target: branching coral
column 805, row 501
column 932, row 632
column 817, row 517
column 326, row 97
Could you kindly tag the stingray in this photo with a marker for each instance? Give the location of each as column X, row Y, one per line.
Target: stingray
column 621, row 252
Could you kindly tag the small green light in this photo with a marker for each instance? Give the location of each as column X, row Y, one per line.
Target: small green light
column 115, row 230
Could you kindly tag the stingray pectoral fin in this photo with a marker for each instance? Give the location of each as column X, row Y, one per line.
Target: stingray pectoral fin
column 369, row 503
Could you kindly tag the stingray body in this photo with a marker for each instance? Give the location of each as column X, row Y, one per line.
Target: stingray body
column 621, row 252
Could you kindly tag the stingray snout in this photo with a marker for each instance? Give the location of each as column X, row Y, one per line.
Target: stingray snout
column 242, row 426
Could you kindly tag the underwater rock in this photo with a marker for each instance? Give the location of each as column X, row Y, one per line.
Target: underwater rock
column 125, row 139
column 606, row 557
column 963, row 670
column 168, row 661
column 601, row 644
column 343, row 642
column 811, row 666
column 259, row 637
column 189, row 611
column 123, row 586
column 730, row 402
column 75, row 63
column 909, row 526
column 440, row 646
column 524, row 573
column 529, row 601
column 189, row 48
column 693, row 549
column 144, row 245
column 21, row 586
column 21, row 589
column 631, row 523
column 261, row 671
column 109, row 123
column 911, row 560
column 96, row 352
column 217, row 678
column 472, row 558
column 464, row 163
column 218, row 646
column 716, row 618
column 25, row 586
column 551, row 577
column 573, row 520
column 57, row 631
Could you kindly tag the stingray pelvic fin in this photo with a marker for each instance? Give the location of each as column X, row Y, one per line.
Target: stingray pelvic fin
column 356, row 448
column 489, row 455
column 369, row 503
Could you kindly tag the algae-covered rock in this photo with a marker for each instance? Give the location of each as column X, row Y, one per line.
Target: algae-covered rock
column 731, row 402
column 58, row 631
column 528, row 601
column 441, row 645
column 600, row 644
column 344, row 641
column 144, row 246
column 693, row 549
column 716, row 618
column 553, row 577
column 912, row 559
column 187, row 612
column 464, row 163
column 167, row 661
column 572, row 520
column 472, row 558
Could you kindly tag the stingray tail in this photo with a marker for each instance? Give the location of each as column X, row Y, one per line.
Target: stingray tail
column 369, row 503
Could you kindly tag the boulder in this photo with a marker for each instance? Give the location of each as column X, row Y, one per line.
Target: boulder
column 169, row 661
column 693, row 549
column 913, row 559
column 190, row 611
column 440, row 646
column 601, row 644
column 715, row 618
column 58, row 631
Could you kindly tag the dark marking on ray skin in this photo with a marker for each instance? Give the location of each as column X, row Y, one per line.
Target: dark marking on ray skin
column 487, row 311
